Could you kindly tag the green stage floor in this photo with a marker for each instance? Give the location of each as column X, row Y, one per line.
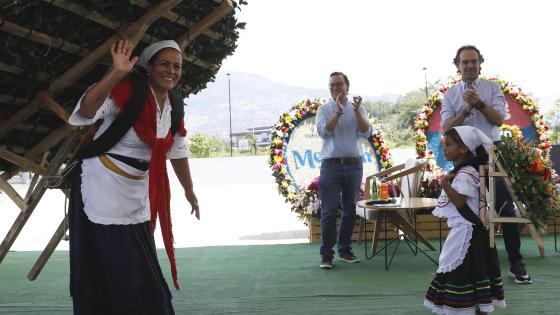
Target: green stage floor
column 286, row 279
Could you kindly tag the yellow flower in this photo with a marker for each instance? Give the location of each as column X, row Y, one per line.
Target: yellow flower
column 376, row 144
column 277, row 159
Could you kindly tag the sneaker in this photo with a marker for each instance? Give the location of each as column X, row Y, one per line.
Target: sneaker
column 348, row 257
column 326, row 262
column 518, row 273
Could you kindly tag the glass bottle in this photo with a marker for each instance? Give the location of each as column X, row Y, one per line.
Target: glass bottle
column 374, row 189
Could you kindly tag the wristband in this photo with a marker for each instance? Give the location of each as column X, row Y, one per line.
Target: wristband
column 480, row 105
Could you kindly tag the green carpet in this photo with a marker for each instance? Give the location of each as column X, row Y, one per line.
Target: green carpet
column 286, row 279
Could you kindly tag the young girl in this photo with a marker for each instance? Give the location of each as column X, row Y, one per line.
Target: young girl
column 468, row 279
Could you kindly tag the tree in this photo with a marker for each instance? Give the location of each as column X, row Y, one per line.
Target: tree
column 407, row 107
column 201, row 146
column 397, row 120
column 219, row 145
column 252, row 142
column 553, row 119
column 379, row 110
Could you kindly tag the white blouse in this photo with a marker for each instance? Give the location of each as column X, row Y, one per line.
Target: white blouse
column 466, row 183
column 110, row 198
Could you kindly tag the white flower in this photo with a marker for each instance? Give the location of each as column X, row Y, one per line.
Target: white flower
column 309, row 209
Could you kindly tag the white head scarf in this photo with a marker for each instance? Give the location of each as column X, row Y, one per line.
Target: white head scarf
column 151, row 50
column 473, row 138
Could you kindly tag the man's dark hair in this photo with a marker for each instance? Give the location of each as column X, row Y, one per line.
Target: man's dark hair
column 467, row 47
column 342, row 74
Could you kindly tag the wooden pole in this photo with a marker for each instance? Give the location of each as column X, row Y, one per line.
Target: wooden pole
column 222, row 10
column 133, row 32
column 42, row 38
column 175, row 18
column 49, row 249
column 35, row 197
column 95, row 17
column 497, row 170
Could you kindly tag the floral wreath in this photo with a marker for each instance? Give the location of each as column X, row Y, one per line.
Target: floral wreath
column 532, row 176
column 305, row 200
column 543, row 175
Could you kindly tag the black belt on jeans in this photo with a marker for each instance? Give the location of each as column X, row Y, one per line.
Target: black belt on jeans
column 344, row 160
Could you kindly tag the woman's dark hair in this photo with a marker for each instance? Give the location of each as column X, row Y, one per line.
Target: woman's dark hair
column 343, row 75
column 471, row 159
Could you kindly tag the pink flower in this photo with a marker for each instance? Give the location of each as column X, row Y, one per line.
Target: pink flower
column 314, row 185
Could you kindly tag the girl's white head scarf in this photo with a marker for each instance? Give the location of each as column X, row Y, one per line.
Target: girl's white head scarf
column 472, row 137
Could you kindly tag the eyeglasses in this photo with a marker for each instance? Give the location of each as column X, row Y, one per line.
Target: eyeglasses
column 336, row 84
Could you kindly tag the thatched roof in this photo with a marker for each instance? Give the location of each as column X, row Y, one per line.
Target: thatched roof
column 53, row 49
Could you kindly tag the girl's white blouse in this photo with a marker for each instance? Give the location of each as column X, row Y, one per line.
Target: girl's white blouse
column 467, row 183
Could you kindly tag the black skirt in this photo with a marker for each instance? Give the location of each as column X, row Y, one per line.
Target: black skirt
column 113, row 268
column 475, row 284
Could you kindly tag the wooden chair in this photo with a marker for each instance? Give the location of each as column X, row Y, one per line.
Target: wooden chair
column 408, row 178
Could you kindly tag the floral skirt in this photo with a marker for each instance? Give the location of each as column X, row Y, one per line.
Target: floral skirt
column 475, row 285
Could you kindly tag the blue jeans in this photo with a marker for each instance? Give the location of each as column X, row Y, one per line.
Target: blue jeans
column 510, row 231
column 339, row 186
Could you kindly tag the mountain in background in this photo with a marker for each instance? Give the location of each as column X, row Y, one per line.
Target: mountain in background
column 255, row 102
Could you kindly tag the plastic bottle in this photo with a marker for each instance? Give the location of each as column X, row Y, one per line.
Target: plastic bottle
column 383, row 191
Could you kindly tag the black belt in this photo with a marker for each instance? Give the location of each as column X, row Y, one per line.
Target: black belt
column 344, row 160
column 137, row 164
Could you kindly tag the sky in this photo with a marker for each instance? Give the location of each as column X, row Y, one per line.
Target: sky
column 383, row 46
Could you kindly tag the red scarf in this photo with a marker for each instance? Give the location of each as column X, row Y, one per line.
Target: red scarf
column 159, row 192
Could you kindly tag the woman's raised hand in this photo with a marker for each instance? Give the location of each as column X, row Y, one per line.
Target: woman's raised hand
column 121, row 52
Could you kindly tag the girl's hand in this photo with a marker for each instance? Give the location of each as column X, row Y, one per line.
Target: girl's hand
column 121, row 52
column 483, row 216
column 447, row 178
